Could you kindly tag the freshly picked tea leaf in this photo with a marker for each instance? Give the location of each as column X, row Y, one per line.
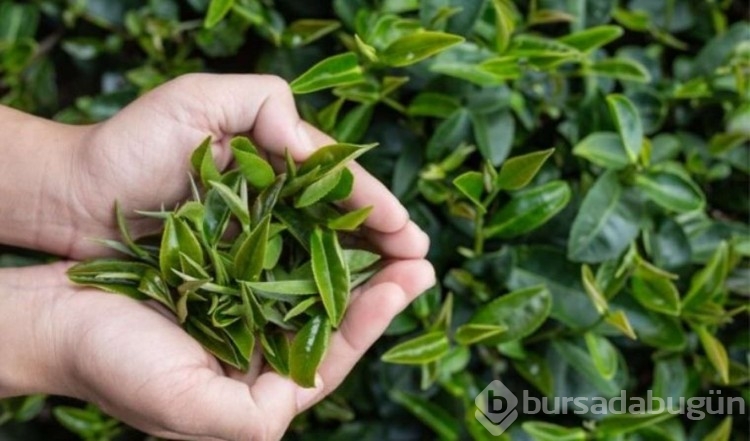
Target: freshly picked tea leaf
column 254, row 256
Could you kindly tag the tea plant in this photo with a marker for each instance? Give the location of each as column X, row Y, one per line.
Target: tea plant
column 581, row 168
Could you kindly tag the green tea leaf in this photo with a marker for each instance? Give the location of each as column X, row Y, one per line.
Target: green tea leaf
column 606, row 222
column 177, row 238
column 248, row 262
column 471, row 185
column 592, row 38
column 331, row 273
column 203, row 163
column 604, row 149
column 628, row 122
column 350, row 221
column 318, row 190
column 652, row 289
column 722, row 432
column 603, row 354
column 620, row 69
column 256, row 170
column 472, row 333
column 494, row 134
column 620, row 321
column 233, row 201
column 593, row 291
column 307, row 350
column 217, row 9
column 291, row 287
column 276, row 351
column 617, row 424
column 520, row 312
column 707, row 282
column 715, row 351
column 518, row 171
column 423, row 349
column 359, row 260
column 334, row 71
column 528, row 210
column 673, row 191
column 415, row 47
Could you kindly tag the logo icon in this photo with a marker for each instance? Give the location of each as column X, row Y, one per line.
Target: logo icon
column 496, row 408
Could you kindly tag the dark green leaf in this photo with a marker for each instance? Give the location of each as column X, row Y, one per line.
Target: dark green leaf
column 248, row 262
column 604, row 149
column 518, row 171
column 307, row 350
column 415, row 47
column 334, row 71
column 423, row 349
column 520, row 312
column 331, row 273
column 528, row 210
column 606, row 222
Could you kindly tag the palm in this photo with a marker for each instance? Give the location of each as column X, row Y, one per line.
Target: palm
column 138, row 365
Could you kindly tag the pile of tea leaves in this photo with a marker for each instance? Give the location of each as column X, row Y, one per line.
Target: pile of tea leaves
column 253, row 258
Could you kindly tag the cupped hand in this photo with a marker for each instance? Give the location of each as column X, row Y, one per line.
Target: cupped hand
column 140, row 157
column 139, row 366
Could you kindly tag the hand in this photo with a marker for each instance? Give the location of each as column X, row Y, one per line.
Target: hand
column 140, row 367
column 141, row 155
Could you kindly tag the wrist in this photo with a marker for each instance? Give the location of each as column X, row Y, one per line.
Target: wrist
column 34, row 330
column 36, row 210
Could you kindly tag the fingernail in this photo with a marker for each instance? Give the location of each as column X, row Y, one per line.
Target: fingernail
column 306, row 145
column 306, row 397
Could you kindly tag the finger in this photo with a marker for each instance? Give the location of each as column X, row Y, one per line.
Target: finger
column 262, row 105
column 388, row 215
column 370, row 313
column 408, row 243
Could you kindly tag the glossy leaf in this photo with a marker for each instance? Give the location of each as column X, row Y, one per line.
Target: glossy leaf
column 334, row 71
column 709, row 280
column 423, row 349
column 256, row 170
column 471, row 185
column 331, row 273
column 308, row 349
column 350, row 221
column 472, row 333
column 593, row 291
column 518, row 171
column 217, row 9
column 318, row 190
column 604, row 149
column 672, row 191
column 606, row 223
column 291, row 287
column 592, row 38
column 655, row 291
column 628, row 122
column 415, row 47
column 203, row 163
column 620, row 69
column 520, row 312
column 603, row 354
column 248, row 262
column 529, row 209
column 494, row 134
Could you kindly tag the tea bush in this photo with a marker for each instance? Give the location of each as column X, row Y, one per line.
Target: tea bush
column 581, row 167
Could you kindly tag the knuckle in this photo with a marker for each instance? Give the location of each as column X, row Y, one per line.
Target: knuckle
column 276, row 84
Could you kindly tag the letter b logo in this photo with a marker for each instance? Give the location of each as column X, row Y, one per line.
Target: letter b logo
column 496, row 408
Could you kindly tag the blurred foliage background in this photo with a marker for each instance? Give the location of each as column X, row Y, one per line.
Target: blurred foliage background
column 581, row 167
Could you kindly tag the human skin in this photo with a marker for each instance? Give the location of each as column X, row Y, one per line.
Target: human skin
column 58, row 184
